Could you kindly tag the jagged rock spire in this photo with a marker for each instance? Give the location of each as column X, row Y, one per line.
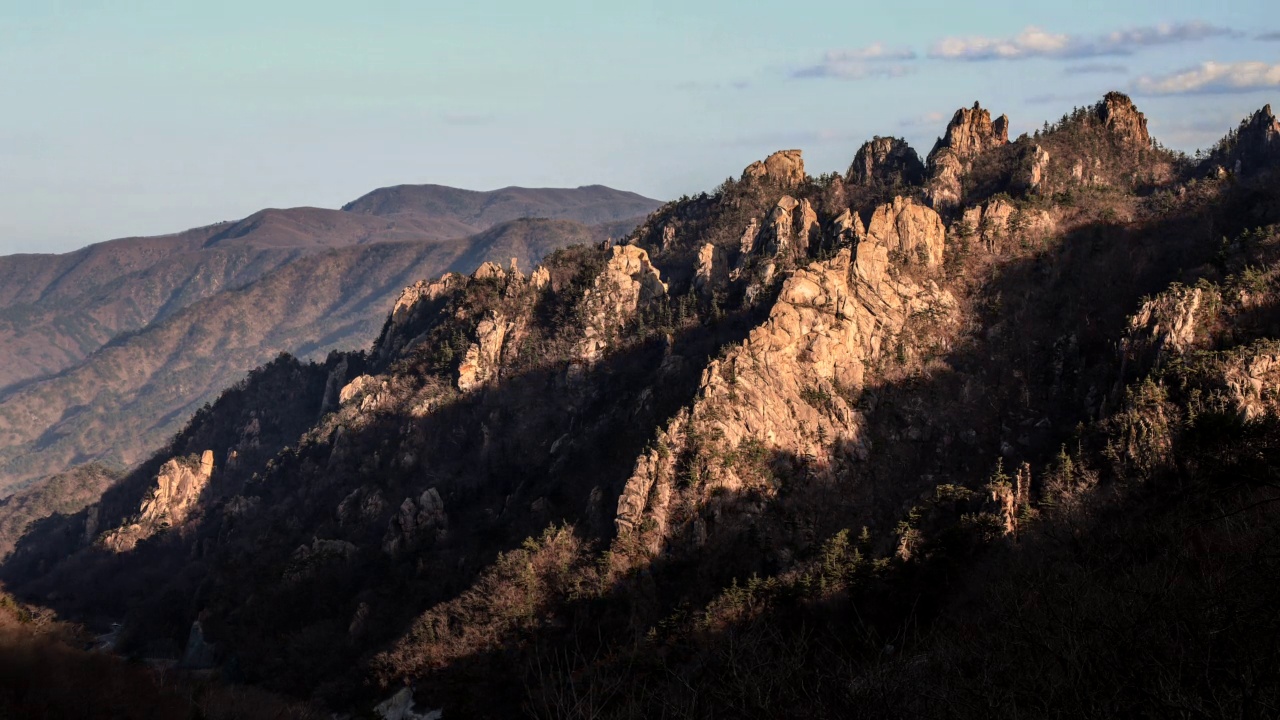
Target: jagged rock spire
column 972, row 132
column 885, row 161
column 1254, row 146
column 1122, row 117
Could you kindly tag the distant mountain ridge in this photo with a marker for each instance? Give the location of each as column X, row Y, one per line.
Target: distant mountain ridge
column 64, row 318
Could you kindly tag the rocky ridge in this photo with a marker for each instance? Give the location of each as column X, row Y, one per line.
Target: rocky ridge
column 765, row 403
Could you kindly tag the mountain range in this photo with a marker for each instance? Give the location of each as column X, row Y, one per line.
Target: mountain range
column 994, row 432
column 154, row 327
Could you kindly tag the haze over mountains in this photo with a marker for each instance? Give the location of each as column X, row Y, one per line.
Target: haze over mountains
column 153, row 327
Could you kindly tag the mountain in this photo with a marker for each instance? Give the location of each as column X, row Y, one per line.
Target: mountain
column 593, row 204
column 995, row 433
column 55, row 310
column 128, row 397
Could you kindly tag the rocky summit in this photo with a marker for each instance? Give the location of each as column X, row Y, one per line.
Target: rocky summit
column 990, row 435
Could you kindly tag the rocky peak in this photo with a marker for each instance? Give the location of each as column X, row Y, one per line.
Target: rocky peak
column 489, row 271
column 1263, row 126
column 972, row 132
column 1118, row 113
column 785, row 167
column 886, row 161
column 1256, row 144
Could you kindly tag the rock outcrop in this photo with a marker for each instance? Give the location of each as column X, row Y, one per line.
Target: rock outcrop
column 414, row 301
column 999, row 221
column 910, row 229
column 1164, row 325
column 785, row 168
column 847, row 228
column 627, row 282
column 781, row 222
column 793, row 227
column 1118, row 113
column 400, row 706
column 784, row 389
column 1253, row 147
column 1253, row 381
column 1033, row 167
column 310, row 559
column 484, row 356
column 885, row 162
column 417, row 523
column 540, row 278
column 970, row 133
column 175, row 497
column 489, row 271
column 973, row 132
column 712, row 271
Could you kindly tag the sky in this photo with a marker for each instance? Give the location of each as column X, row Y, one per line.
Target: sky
column 143, row 117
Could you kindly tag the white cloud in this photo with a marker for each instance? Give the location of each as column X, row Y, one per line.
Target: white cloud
column 1035, row 42
column 1212, row 77
column 875, row 60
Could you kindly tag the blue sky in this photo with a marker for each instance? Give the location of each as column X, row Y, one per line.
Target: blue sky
column 145, row 117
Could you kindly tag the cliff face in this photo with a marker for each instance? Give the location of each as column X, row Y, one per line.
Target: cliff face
column 796, row 403
column 1253, row 147
column 170, row 503
column 971, row 133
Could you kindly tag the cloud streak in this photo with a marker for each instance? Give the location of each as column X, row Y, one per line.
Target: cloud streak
column 1268, row 37
column 1212, row 77
column 875, row 60
column 1035, row 42
column 1096, row 69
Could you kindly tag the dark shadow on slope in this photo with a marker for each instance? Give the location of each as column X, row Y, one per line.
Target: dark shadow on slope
column 1043, row 360
column 497, row 457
